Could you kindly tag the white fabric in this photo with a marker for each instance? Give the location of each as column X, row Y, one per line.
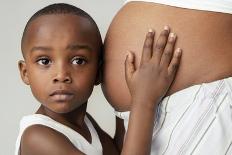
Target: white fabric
column 95, row 148
column 224, row 6
column 194, row 121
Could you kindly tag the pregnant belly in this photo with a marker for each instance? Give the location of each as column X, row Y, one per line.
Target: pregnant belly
column 205, row 37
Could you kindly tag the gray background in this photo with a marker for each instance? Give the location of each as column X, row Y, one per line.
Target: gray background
column 16, row 98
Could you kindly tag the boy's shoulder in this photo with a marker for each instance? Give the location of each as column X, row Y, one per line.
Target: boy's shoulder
column 45, row 140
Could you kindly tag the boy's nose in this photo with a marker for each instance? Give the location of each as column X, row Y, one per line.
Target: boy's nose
column 62, row 76
column 62, row 79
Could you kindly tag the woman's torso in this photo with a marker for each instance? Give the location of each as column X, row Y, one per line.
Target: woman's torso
column 205, row 37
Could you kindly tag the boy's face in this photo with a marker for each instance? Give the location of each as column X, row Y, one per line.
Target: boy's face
column 61, row 60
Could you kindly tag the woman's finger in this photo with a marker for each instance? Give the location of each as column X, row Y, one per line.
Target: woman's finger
column 168, row 51
column 129, row 66
column 160, row 45
column 175, row 61
column 147, row 47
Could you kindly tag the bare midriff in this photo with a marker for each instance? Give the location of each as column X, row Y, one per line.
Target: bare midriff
column 205, row 38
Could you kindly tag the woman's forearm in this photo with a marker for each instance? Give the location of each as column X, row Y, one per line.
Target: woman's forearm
column 139, row 136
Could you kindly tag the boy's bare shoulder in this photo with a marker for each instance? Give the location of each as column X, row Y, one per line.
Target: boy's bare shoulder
column 39, row 139
column 107, row 142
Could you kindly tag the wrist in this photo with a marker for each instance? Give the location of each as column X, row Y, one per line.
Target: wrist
column 144, row 104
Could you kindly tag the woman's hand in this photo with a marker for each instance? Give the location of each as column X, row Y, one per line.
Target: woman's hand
column 158, row 65
column 148, row 84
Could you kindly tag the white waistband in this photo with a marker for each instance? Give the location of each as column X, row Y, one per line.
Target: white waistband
column 223, row 6
column 185, row 96
column 190, row 120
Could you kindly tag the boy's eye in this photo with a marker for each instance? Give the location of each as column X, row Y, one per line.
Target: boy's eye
column 44, row 61
column 78, row 61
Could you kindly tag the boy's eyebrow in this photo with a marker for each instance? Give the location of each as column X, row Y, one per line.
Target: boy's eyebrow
column 40, row 48
column 74, row 47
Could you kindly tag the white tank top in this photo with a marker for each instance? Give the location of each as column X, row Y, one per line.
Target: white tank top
column 95, row 148
column 224, row 6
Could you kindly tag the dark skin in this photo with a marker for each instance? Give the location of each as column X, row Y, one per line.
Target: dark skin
column 61, row 66
column 158, row 65
column 59, row 56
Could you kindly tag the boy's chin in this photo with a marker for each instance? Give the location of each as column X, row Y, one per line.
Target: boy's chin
column 65, row 109
column 62, row 108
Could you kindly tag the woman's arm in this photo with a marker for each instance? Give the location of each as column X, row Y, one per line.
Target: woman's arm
column 158, row 65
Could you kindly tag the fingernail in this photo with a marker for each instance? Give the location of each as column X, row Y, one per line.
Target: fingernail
column 130, row 56
column 166, row 28
column 178, row 51
column 150, row 30
column 172, row 35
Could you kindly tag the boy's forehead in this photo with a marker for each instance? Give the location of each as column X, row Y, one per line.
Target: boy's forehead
column 62, row 26
column 62, row 21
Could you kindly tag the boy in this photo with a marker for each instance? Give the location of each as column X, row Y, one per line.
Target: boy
column 61, row 45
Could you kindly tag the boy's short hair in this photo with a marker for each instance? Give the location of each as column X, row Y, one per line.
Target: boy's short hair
column 59, row 8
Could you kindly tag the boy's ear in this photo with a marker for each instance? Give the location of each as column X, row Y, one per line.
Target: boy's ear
column 99, row 75
column 23, row 71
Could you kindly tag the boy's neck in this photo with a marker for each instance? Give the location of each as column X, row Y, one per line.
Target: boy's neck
column 75, row 117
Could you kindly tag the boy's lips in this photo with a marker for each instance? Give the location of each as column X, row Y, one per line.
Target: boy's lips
column 61, row 95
